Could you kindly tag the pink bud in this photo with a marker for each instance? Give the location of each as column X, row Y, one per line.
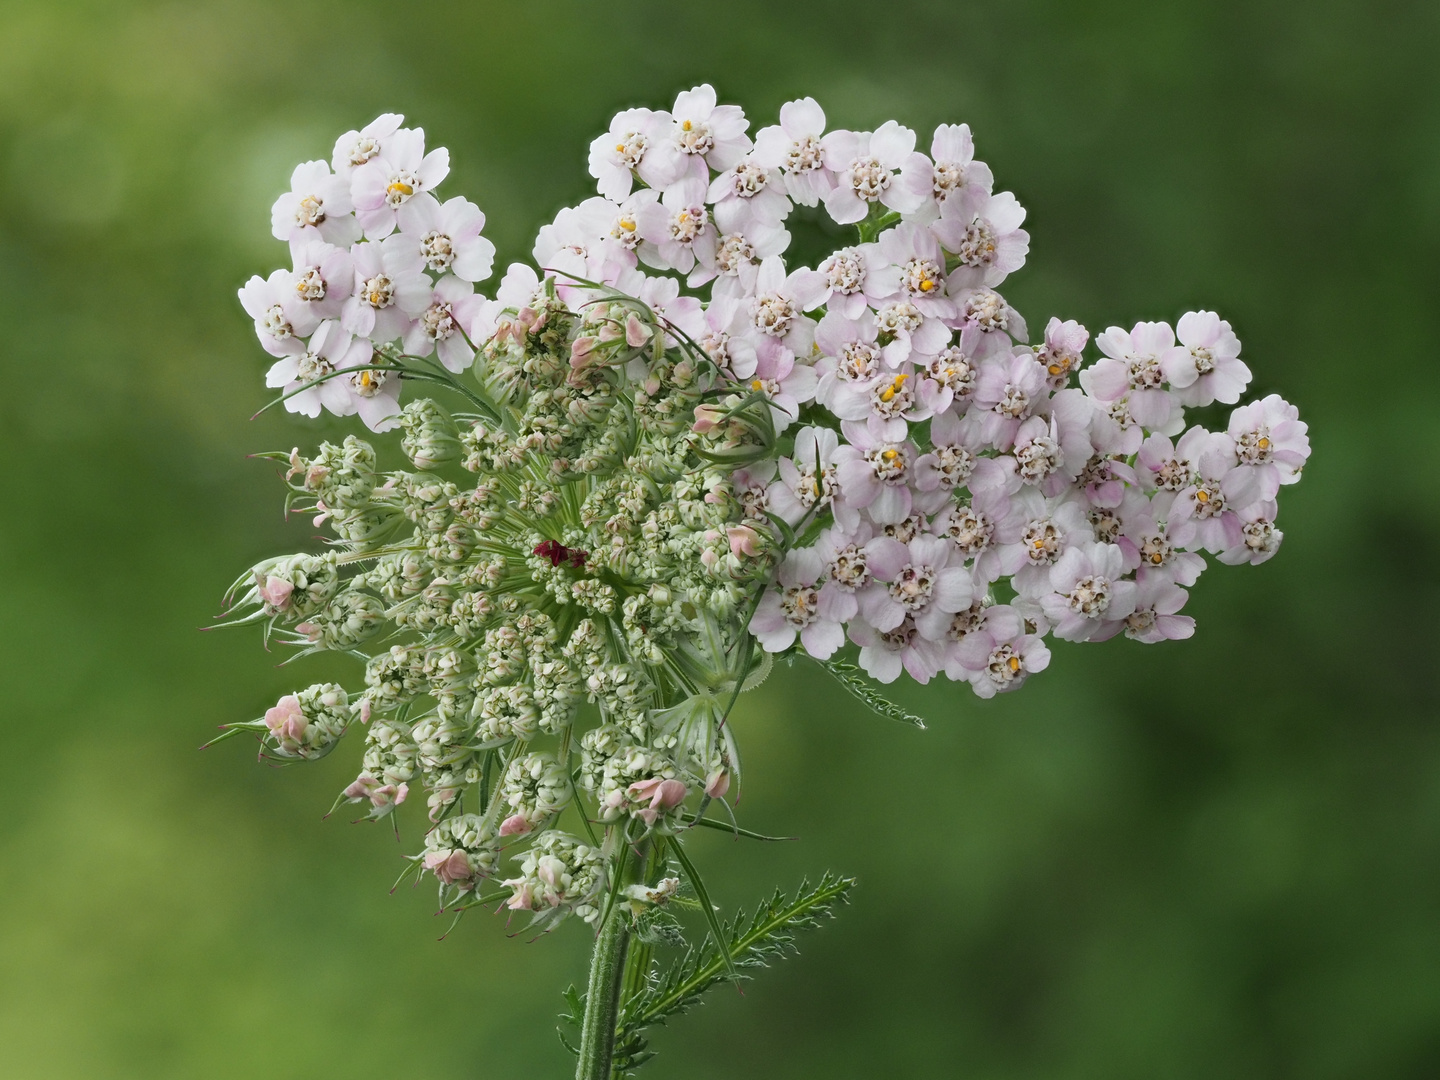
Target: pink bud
column 310, row 630
column 743, row 540
column 636, row 332
column 361, row 788
column 707, row 419
column 515, row 825
column 670, row 794
column 275, row 592
column 708, row 559
column 523, row 900
column 717, row 784
column 451, row 867
column 286, row 720
column 365, row 711
column 581, row 349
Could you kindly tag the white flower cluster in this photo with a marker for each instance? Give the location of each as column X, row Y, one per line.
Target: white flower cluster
column 672, row 448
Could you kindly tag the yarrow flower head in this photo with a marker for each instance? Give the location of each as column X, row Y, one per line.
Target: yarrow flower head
column 666, row 457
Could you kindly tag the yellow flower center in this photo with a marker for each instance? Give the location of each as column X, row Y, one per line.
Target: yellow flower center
column 888, row 394
column 398, row 188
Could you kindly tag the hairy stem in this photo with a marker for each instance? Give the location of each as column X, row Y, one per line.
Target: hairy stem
column 602, row 997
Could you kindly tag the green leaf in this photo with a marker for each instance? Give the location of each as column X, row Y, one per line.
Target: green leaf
column 854, row 680
column 735, row 830
column 750, row 941
column 716, row 930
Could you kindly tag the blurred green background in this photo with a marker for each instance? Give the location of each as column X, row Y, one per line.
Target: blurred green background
column 1218, row 858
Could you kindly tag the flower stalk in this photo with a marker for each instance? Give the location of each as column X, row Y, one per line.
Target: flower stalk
column 600, row 1023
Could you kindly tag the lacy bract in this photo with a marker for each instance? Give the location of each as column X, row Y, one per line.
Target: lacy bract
column 664, row 455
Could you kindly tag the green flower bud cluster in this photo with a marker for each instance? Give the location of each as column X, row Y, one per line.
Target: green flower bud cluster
column 563, row 560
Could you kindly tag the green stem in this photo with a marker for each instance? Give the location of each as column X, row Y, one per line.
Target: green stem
column 602, row 997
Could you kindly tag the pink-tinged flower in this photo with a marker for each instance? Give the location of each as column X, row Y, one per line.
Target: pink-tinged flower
column 807, row 483
column 1165, row 467
column 282, row 318
column 778, row 308
column 875, row 167
column 515, row 825
column 664, row 795
column 1259, row 537
column 275, row 592
column 523, row 898
column 1203, row 514
column 849, row 355
column 1088, row 591
column 1114, row 431
column 980, row 531
column 998, row 655
column 596, row 240
column 1105, row 481
column 323, row 276
column 958, row 183
column 286, row 720
column 885, row 653
column 394, row 187
column 1060, row 354
column 925, row 581
column 330, row 348
column 914, row 269
column 786, row 384
column 383, row 797
column 316, row 206
column 1135, row 366
column 390, row 290
column 950, row 376
column 355, row 148
column 441, row 327
column 1051, row 527
column 792, row 607
column 987, row 239
column 637, row 144
column 856, row 279
column 1147, row 542
column 748, row 194
column 738, row 257
column 1207, row 366
column 874, row 476
column 1271, row 442
column 981, row 306
column 717, row 783
column 1157, row 599
column 451, row 867
column 707, row 135
column 662, row 296
column 907, row 333
column 446, row 238
column 796, row 146
column 724, row 338
column 846, row 556
column 744, row 541
column 955, row 462
column 374, row 394
column 887, row 402
column 1008, row 390
column 677, row 232
column 1050, row 450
